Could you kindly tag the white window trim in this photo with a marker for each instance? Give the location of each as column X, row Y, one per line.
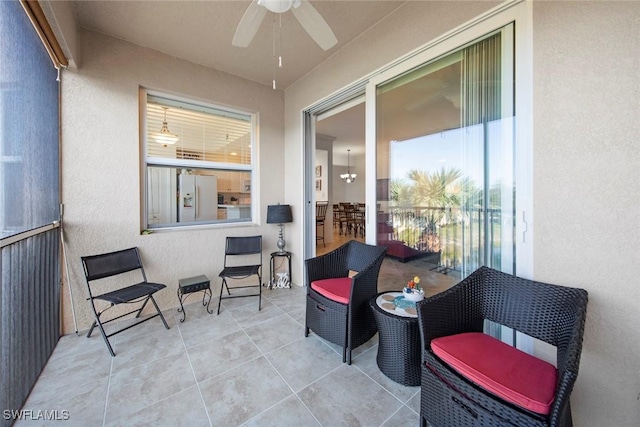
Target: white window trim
column 145, row 162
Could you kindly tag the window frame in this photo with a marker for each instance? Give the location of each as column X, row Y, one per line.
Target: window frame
column 146, row 162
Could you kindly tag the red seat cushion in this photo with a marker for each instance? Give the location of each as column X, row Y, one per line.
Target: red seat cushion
column 505, row 371
column 338, row 289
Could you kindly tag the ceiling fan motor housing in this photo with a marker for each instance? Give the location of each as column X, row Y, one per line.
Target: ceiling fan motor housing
column 279, row 6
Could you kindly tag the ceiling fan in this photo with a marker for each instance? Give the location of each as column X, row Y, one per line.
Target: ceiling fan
column 307, row 15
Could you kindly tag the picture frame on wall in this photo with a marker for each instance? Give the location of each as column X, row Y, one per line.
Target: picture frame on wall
column 318, row 171
column 318, row 185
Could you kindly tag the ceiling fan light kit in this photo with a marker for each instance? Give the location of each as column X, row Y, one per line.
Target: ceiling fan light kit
column 279, row 6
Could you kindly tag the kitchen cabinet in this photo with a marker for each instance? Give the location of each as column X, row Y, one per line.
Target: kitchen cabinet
column 229, row 182
column 238, row 211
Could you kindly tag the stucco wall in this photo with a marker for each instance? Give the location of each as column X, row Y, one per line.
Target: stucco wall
column 585, row 140
column 101, row 162
column 586, row 197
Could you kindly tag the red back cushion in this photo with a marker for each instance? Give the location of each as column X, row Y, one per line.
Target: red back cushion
column 338, row 289
column 505, row 371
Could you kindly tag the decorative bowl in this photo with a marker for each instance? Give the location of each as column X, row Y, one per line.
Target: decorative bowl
column 413, row 295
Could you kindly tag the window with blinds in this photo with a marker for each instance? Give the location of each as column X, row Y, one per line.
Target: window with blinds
column 198, row 163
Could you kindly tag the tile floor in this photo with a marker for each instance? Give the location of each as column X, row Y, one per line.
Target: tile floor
column 242, row 367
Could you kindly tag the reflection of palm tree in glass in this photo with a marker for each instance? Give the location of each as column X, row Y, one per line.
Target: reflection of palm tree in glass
column 423, row 203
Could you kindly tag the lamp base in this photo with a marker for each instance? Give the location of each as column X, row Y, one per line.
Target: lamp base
column 281, row 243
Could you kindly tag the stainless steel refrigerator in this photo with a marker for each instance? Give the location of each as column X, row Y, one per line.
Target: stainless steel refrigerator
column 198, row 198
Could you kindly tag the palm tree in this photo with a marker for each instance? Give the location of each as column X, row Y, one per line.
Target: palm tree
column 429, row 194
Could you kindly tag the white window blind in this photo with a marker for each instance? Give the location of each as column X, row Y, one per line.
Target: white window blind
column 205, row 134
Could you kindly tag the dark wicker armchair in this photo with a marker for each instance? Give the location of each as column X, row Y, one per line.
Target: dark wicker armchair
column 550, row 313
column 339, row 286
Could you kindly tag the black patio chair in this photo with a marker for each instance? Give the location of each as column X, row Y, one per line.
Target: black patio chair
column 471, row 379
column 102, row 266
column 242, row 259
column 339, row 286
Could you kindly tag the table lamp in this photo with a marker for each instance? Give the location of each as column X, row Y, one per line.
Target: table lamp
column 279, row 214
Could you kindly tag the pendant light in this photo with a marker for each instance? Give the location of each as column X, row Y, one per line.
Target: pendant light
column 165, row 136
column 348, row 177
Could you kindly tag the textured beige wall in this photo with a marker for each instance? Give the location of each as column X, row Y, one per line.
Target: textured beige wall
column 586, row 155
column 586, row 193
column 101, row 162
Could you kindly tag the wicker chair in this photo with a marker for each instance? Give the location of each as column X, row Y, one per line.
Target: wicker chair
column 339, row 286
column 550, row 313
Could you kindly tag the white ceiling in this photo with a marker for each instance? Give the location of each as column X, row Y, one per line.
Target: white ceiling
column 201, row 32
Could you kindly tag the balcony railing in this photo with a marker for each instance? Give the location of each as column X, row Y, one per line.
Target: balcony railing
column 457, row 233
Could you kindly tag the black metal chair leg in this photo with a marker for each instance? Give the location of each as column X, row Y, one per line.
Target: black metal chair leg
column 106, row 340
column 92, row 328
column 159, row 312
column 224, row 283
column 144, row 304
column 259, row 293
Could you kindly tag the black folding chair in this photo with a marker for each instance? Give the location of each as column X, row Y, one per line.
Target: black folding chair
column 242, row 259
column 97, row 267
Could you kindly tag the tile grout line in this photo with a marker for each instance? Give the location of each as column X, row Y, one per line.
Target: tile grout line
column 373, row 379
column 293, row 392
column 106, row 402
column 264, row 355
column 193, row 373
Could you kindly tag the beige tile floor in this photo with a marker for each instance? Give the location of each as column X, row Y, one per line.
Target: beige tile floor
column 242, row 367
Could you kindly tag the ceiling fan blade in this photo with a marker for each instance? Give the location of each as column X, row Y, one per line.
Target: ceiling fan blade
column 315, row 25
column 249, row 24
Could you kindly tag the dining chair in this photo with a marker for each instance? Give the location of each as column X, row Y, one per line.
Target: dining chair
column 321, row 213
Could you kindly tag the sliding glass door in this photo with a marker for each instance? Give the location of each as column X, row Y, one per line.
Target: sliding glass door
column 445, row 159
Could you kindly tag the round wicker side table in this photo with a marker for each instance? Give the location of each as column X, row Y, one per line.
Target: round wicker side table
column 398, row 340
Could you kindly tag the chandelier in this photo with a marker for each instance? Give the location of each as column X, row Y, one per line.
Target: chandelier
column 165, row 136
column 348, row 177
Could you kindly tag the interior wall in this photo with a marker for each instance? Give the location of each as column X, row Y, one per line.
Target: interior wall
column 324, row 144
column 586, row 157
column 585, row 133
column 322, row 182
column 101, row 178
column 352, row 192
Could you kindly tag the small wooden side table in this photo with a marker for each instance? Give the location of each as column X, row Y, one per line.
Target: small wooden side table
column 190, row 285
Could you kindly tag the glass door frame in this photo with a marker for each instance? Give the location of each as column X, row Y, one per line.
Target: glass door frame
column 518, row 12
column 520, row 15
